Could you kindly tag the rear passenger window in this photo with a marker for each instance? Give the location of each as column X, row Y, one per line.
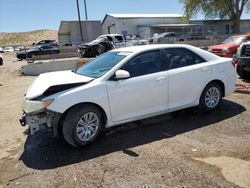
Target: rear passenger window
column 180, row 57
column 146, row 63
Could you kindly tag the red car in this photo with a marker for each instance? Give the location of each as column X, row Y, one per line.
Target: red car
column 229, row 47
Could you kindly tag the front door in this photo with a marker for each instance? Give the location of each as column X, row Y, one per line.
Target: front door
column 144, row 93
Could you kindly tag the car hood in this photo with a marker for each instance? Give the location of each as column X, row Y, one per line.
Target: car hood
column 221, row 46
column 46, row 81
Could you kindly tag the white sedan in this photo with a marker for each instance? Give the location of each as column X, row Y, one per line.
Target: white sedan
column 125, row 85
column 9, row 49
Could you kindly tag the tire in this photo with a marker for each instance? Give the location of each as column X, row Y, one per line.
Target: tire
column 75, row 120
column 211, row 97
column 1, row 61
column 241, row 72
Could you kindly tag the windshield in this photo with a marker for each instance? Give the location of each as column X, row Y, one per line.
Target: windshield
column 101, row 64
column 234, row 40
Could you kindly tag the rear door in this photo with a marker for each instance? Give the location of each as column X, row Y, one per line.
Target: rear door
column 187, row 73
column 144, row 93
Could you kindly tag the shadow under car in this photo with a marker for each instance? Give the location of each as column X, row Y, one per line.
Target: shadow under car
column 44, row 152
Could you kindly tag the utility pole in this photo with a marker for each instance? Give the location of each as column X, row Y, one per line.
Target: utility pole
column 85, row 7
column 79, row 19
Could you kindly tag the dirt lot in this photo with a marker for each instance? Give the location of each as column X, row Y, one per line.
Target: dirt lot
column 184, row 149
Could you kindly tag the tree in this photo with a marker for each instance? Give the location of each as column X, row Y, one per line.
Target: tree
column 222, row 9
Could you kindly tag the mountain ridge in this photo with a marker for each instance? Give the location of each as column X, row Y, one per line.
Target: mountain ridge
column 27, row 38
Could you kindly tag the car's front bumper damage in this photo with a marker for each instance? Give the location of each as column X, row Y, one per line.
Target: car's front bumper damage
column 35, row 115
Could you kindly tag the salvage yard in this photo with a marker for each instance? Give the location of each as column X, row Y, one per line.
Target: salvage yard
column 182, row 149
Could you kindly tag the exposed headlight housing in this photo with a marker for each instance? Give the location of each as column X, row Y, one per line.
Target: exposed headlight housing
column 33, row 107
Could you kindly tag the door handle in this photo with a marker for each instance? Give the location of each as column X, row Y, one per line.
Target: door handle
column 204, row 69
column 161, row 78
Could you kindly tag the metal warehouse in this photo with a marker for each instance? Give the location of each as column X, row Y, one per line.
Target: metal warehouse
column 131, row 24
column 147, row 24
column 69, row 31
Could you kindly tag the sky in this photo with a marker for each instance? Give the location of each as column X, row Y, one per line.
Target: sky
column 28, row 15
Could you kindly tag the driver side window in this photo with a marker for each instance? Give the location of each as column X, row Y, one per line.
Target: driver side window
column 146, row 63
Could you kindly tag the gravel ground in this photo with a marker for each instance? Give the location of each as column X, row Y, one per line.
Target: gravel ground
column 182, row 149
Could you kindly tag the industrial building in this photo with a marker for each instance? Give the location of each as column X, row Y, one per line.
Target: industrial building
column 146, row 25
column 142, row 24
column 69, row 31
column 223, row 26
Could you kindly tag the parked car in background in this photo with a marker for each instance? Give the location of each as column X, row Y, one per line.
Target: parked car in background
column 1, row 50
column 125, row 85
column 117, row 39
column 169, row 37
column 95, row 47
column 1, row 59
column 9, row 49
column 229, row 47
column 46, row 42
column 18, row 48
column 37, row 50
column 243, row 60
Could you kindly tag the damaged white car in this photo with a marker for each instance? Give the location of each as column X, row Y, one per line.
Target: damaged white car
column 125, row 85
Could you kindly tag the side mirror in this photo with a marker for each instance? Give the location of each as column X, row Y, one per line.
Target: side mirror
column 121, row 74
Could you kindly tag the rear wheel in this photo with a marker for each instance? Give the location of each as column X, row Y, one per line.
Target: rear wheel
column 211, row 97
column 1, row 61
column 82, row 125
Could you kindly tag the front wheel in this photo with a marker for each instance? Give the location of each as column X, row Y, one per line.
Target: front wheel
column 82, row 125
column 211, row 97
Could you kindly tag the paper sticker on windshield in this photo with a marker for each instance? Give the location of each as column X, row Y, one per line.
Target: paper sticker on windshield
column 124, row 53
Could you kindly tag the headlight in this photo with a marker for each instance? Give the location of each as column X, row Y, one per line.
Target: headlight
column 31, row 107
column 47, row 102
column 225, row 50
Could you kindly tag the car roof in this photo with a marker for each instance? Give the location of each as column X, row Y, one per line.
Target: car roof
column 111, row 35
column 142, row 48
column 139, row 49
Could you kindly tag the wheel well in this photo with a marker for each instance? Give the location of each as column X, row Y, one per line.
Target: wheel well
column 220, row 84
column 60, row 122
